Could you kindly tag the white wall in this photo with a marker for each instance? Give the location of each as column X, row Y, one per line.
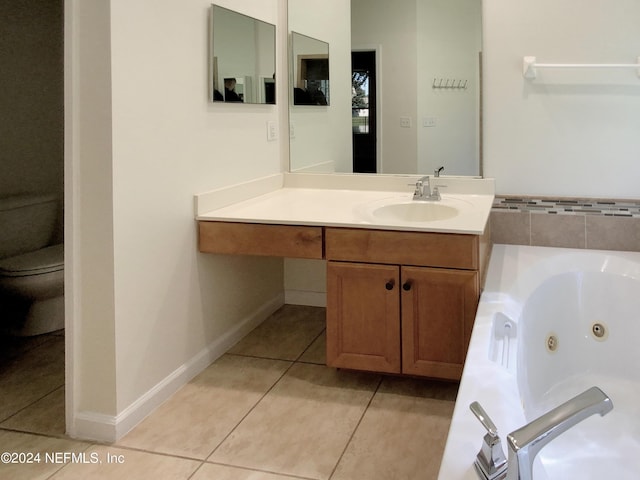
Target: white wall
column 89, row 266
column 568, row 132
column 449, row 42
column 322, row 135
column 390, row 27
column 145, row 309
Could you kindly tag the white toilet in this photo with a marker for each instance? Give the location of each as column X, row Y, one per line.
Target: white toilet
column 31, row 265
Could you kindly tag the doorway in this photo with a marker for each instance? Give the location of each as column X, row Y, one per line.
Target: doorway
column 32, row 367
column 364, row 111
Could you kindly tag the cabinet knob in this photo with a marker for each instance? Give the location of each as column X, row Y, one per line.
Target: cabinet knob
column 406, row 286
column 389, row 285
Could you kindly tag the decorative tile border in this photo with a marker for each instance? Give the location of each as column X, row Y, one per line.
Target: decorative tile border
column 568, row 206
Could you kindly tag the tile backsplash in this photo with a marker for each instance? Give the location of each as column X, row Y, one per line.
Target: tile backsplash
column 567, row 222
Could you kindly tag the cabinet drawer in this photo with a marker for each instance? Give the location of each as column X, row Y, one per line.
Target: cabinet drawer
column 260, row 239
column 447, row 250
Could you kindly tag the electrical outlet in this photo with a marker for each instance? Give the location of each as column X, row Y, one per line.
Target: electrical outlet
column 272, row 131
column 405, row 122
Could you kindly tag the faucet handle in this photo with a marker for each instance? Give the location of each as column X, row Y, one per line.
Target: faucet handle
column 485, row 420
column 490, row 463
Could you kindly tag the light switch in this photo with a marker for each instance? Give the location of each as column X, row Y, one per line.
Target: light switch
column 429, row 122
column 272, row 131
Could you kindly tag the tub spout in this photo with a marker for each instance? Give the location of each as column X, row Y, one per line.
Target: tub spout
column 525, row 443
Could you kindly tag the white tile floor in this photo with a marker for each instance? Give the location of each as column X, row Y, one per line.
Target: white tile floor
column 268, row 409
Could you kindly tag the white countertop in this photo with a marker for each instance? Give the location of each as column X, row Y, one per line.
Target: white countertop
column 301, row 205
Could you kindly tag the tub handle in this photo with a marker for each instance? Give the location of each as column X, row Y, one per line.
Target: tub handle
column 485, row 420
column 491, row 463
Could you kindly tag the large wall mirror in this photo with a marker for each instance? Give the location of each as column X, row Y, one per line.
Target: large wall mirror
column 242, row 62
column 414, row 101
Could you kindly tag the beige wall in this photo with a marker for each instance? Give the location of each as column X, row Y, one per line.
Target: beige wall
column 145, row 308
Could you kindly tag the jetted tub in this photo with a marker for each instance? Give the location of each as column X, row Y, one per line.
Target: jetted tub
column 552, row 323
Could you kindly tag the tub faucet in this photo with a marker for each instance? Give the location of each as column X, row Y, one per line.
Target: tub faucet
column 525, row 443
column 424, row 192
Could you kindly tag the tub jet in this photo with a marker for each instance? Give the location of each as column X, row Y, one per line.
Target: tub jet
column 599, row 331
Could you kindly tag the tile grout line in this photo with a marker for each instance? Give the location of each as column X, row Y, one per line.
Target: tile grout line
column 258, row 470
column 309, row 346
column 355, row 429
column 56, row 472
column 165, row 454
column 264, row 395
column 45, row 342
column 201, row 461
column 586, row 242
column 196, row 470
column 25, row 407
column 251, row 409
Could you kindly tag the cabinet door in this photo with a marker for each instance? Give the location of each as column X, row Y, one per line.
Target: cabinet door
column 363, row 316
column 438, row 310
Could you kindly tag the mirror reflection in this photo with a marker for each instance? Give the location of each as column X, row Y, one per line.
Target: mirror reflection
column 414, row 75
column 310, row 62
column 242, row 63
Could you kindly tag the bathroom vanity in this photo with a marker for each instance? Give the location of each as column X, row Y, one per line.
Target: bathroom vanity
column 402, row 290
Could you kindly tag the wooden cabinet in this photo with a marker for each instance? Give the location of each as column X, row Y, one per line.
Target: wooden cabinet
column 260, row 239
column 363, row 305
column 395, row 318
column 397, row 302
column 438, row 308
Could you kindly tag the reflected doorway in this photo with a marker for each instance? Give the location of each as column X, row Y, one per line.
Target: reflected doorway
column 363, row 111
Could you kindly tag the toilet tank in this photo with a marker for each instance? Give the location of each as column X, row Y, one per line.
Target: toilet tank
column 27, row 222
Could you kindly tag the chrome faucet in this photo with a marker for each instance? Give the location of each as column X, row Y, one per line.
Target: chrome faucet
column 526, row 442
column 424, row 192
column 491, row 464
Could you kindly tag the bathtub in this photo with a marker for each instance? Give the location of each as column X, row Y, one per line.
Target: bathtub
column 551, row 323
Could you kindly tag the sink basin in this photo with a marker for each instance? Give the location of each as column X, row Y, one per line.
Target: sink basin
column 413, row 211
column 404, row 211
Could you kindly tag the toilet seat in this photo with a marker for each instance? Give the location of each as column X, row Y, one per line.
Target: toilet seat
column 46, row 260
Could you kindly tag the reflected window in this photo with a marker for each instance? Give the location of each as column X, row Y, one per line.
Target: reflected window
column 360, row 111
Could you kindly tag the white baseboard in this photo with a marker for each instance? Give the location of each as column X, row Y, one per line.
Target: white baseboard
column 109, row 428
column 304, row 297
